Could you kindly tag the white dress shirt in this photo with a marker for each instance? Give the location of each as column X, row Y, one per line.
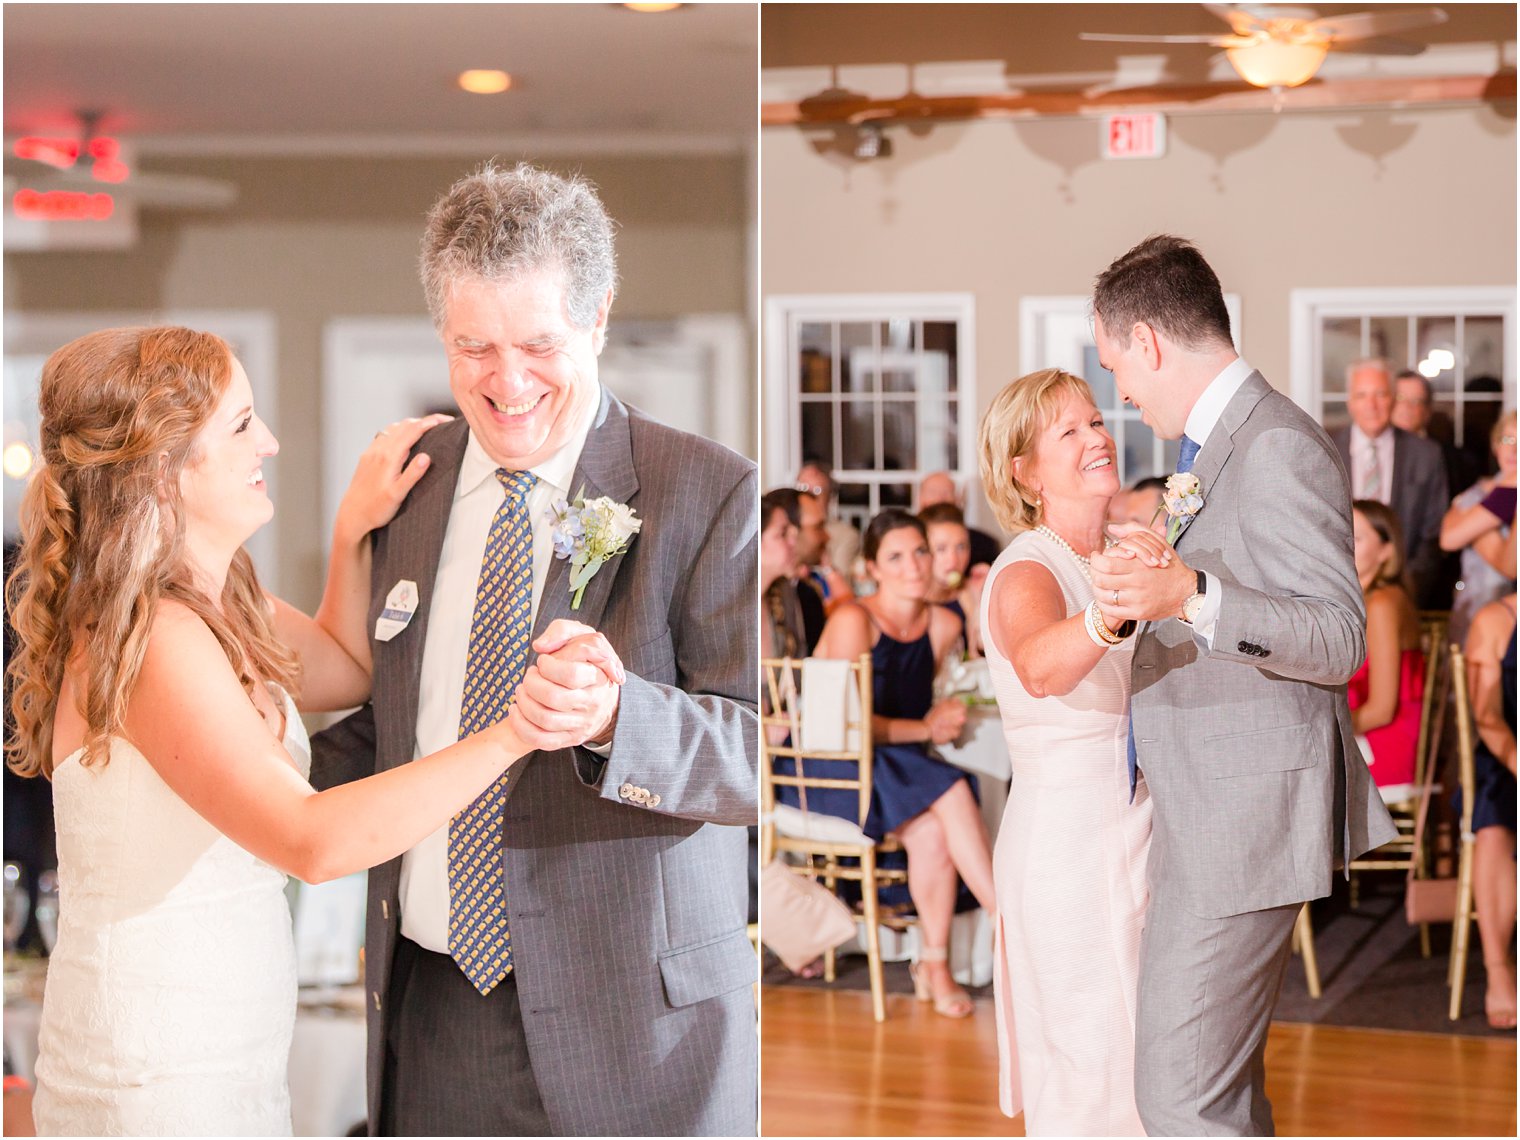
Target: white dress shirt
column 1360, row 446
column 1201, row 422
column 477, row 495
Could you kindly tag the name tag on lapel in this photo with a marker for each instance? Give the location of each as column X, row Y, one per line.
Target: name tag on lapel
column 400, row 606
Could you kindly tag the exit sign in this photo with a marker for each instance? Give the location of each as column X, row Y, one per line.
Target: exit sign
column 1134, row 136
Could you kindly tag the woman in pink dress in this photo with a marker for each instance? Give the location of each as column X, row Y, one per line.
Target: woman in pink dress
column 1069, row 865
column 1386, row 692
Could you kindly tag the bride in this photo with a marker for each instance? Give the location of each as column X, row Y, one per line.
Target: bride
column 157, row 686
column 1070, row 862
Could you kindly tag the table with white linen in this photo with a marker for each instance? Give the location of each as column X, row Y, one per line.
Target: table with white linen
column 327, row 1090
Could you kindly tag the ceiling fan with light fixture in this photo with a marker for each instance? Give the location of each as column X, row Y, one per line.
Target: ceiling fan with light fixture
column 88, row 163
column 1273, row 45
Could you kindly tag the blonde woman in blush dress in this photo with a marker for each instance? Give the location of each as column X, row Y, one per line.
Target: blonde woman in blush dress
column 1070, row 859
column 157, row 686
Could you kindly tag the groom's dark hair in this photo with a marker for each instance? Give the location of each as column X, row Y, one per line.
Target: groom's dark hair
column 1164, row 282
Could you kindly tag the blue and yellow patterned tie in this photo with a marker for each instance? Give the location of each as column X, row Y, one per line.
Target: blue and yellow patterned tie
column 498, row 653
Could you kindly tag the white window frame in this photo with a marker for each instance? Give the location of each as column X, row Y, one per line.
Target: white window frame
column 782, row 415
column 1308, row 308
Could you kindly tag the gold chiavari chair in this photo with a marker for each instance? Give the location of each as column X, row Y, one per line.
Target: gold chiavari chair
column 1456, row 970
column 824, row 847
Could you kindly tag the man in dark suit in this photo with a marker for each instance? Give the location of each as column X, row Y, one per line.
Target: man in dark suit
column 1394, row 467
column 569, row 955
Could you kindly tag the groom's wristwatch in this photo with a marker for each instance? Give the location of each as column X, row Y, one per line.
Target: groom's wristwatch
column 1194, row 605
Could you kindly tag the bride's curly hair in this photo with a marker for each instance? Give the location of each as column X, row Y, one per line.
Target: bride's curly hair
column 102, row 529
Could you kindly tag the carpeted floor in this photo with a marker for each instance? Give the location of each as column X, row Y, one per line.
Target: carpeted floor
column 1370, row 967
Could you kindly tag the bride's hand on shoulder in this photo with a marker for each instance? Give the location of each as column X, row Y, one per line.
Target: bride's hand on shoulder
column 384, row 478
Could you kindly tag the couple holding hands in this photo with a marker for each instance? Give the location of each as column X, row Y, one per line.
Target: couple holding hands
column 548, row 774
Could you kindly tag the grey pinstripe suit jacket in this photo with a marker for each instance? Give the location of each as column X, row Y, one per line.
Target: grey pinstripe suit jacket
column 1259, row 790
column 628, row 921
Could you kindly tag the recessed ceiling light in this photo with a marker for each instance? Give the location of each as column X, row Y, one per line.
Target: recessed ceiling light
column 651, row 7
column 485, row 82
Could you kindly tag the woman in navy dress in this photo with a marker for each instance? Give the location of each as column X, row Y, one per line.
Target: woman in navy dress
column 927, row 803
column 1491, row 674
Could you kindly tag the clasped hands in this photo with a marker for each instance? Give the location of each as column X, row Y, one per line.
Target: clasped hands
column 569, row 695
column 1140, row 578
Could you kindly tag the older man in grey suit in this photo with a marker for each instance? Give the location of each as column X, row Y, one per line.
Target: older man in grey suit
column 1238, row 709
column 1399, row 468
column 569, row 955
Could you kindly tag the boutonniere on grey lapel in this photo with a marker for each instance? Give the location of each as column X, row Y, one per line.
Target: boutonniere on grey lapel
column 588, row 534
column 1182, row 499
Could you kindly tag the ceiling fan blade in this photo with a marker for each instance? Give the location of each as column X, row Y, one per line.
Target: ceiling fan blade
column 1363, row 25
column 1377, row 45
column 1116, row 38
column 1242, row 21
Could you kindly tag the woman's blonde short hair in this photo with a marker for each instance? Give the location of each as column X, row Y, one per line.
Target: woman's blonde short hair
column 1018, row 414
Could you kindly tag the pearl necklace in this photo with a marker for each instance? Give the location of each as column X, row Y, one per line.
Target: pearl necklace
column 1084, row 563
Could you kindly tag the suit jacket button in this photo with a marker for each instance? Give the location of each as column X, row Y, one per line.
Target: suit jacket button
column 627, row 791
column 654, row 801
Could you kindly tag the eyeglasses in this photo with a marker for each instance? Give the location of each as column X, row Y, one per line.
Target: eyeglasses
column 1506, row 441
column 808, row 489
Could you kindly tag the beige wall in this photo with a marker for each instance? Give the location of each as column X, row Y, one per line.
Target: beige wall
column 1006, row 210
column 312, row 240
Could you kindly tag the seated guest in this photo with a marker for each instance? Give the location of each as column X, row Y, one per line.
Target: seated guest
column 1491, row 673
column 1385, row 693
column 1413, row 409
column 779, row 515
column 1477, row 524
column 1140, row 504
column 820, row 585
column 952, row 587
column 816, row 477
column 1398, row 469
column 927, row 803
column 939, row 487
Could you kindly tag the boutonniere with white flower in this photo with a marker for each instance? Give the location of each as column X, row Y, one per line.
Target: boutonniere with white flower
column 1182, row 499
column 588, row 534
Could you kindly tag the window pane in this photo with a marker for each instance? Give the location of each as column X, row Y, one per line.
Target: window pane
column 858, row 438
column 1334, row 415
column 897, row 380
column 818, row 431
column 1139, row 452
column 940, row 341
column 1389, row 337
column 1100, row 379
column 1483, row 352
column 896, row 495
column 1341, row 344
column 897, row 335
column 899, row 440
column 857, row 357
column 1436, row 346
column 815, row 346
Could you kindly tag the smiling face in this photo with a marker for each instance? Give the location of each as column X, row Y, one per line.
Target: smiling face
column 1139, row 382
column 1074, row 457
column 1369, row 399
column 950, row 544
column 1504, row 447
column 522, row 374
column 903, row 564
column 222, row 491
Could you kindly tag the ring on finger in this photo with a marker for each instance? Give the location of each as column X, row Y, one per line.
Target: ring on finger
column 1116, row 597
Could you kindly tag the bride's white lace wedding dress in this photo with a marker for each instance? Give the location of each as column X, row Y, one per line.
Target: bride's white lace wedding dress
column 171, row 993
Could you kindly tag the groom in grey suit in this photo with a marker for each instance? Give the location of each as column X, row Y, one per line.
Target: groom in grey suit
column 603, row 986
column 1238, row 708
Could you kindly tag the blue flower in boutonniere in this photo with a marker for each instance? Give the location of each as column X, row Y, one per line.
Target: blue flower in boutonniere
column 1182, row 499
column 588, row 534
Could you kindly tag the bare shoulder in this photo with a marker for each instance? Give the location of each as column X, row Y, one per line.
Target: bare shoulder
column 1490, row 630
column 847, row 633
column 1024, row 581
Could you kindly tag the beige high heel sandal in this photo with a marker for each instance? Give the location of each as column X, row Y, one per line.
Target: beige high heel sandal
column 956, row 1003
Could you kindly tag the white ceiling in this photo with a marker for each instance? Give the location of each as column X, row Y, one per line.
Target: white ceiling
column 379, row 78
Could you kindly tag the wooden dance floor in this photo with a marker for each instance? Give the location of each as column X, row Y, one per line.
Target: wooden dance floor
column 828, row 1070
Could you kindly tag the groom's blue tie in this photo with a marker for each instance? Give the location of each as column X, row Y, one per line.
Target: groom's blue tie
column 494, row 664
column 1185, row 456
